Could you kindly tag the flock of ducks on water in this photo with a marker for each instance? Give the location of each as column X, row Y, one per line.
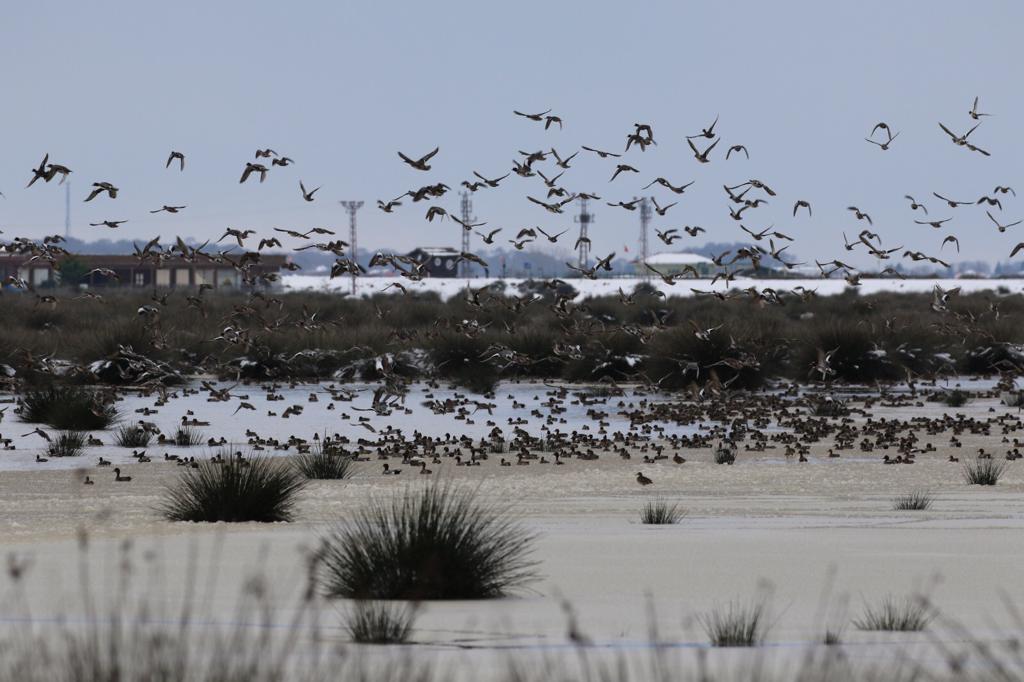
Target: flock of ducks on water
column 784, row 420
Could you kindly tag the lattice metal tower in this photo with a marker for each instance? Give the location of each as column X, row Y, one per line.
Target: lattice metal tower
column 467, row 218
column 584, row 219
column 645, row 220
column 352, row 207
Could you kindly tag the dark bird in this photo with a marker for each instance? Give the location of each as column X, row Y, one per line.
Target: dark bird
column 39, row 173
column 708, row 132
column 974, row 113
column 860, row 214
column 914, row 205
column 99, row 188
column 934, row 223
column 702, row 156
column 176, row 155
column 533, row 117
column 169, row 209
column 308, row 196
column 420, row 163
column 1002, row 228
column 737, row 148
column 801, row 204
column 600, row 153
column 251, row 168
column 112, row 224
column 952, row 204
column 623, row 168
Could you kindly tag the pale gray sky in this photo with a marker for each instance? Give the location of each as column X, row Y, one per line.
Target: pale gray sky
column 108, row 88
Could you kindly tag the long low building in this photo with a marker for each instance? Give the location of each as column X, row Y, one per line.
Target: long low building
column 130, row 273
column 671, row 263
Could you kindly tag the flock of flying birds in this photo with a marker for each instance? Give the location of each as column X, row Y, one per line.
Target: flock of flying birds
column 553, row 196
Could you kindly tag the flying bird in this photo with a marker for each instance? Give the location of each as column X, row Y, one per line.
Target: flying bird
column 420, row 163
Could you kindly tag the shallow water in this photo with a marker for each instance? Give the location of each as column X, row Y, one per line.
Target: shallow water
column 512, row 402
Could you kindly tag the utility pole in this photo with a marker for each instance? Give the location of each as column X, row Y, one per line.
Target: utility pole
column 352, row 207
column 584, row 219
column 645, row 220
column 467, row 219
column 67, row 209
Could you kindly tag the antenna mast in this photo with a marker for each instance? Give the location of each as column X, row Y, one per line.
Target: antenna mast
column 645, row 219
column 467, row 218
column 352, row 207
column 584, row 219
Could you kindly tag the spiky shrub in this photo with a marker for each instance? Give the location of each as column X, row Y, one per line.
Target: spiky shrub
column 724, row 455
column 737, row 624
column 324, row 462
column 67, row 407
column 910, row 614
column 661, row 513
column 983, row 472
column 132, row 436
column 956, row 398
column 66, row 444
column 437, row 542
column 917, row 500
column 186, row 436
column 376, row 622
column 257, row 489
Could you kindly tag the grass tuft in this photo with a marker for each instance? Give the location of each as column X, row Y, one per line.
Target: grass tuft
column 983, row 472
column 324, row 462
column 235, row 490
column 132, row 436
column 911, row 614
column 661, row 513
column 186, row 436
column 737, row 625
column 376, row 622
column 67, row 407
column 917, row 500
column 66, row 444
column 434, row 543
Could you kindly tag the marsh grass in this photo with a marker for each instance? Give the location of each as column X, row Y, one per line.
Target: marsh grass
column 324, row 461
column 910, row 614
column 435, row 542
column 956, row 398
column 917, row 500
column 737, row 625
column 187, row 436
column 380, row 622
column 66, row 444
column 67, row 407
column 236, row 490
column 983, row 471
column 132, row 436
column 661, row 513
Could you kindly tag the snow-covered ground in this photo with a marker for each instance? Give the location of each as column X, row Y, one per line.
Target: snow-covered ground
column 448, row 288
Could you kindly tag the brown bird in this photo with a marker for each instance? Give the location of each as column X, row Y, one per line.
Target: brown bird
column 861, row 215
column 1002, row 228
column 974, row 113
column 308, row 196
column 112, row 224
column 169, row 209
column 600, row 153
column 251, row 168
column 623, row 168
column 643, row 480
column 702, row 156
column 533, row 117
column 420, row 163
column 100, row 188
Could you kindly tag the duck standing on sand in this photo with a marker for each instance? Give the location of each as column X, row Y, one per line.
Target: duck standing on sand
column 643, row 480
